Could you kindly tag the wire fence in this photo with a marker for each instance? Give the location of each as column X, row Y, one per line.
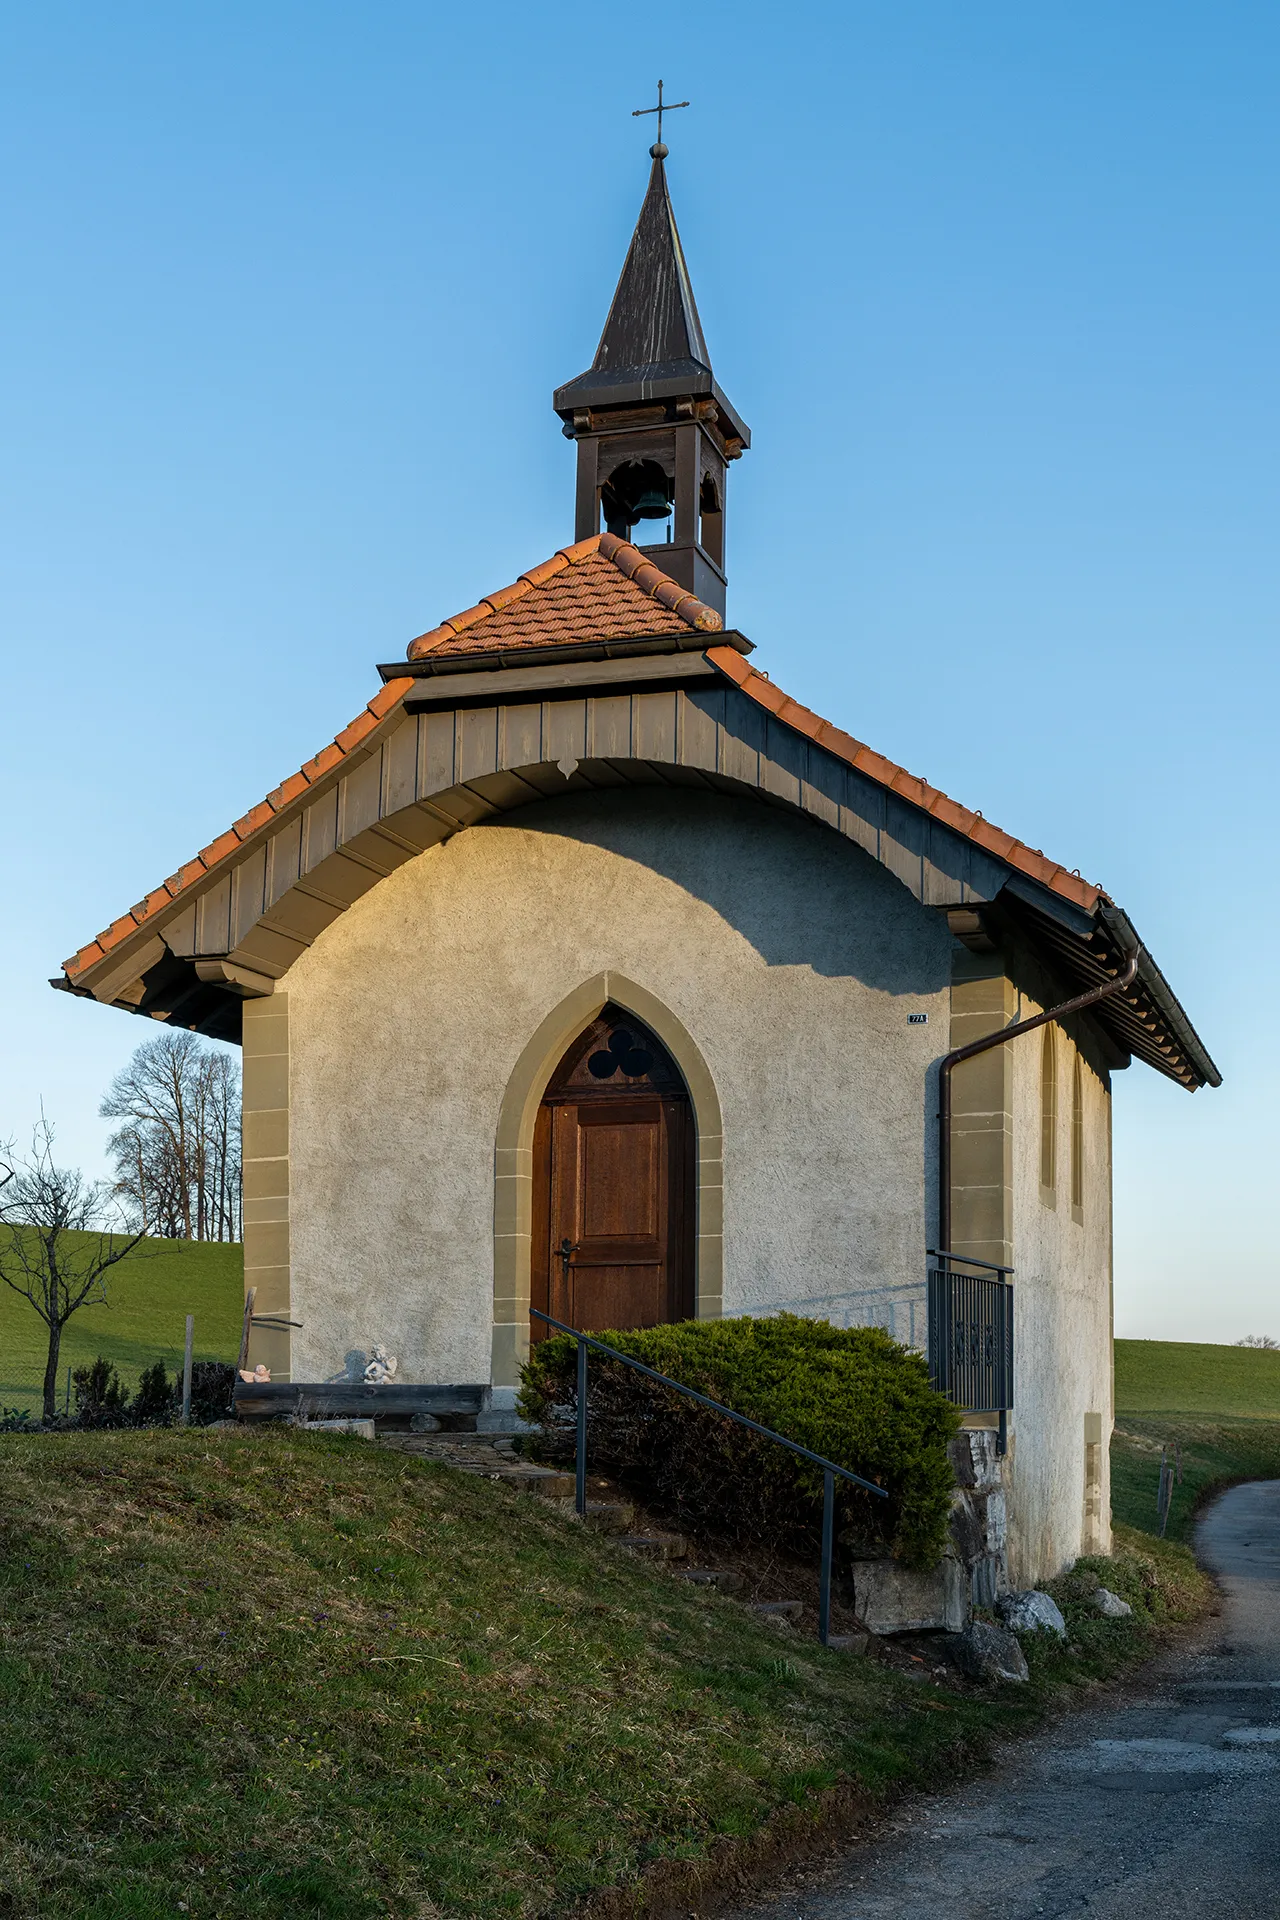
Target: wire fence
column 139, row 1380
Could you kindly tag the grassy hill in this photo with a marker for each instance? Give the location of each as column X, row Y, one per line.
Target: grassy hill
column 270, row 1674
column 1175, row 1376
column 1220, row 1406
column 150, row 1294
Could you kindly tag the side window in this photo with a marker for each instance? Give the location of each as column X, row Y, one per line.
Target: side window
column 1077, row 1141
column 1048, row 1115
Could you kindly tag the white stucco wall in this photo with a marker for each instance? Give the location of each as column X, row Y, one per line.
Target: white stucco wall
column 1062, row 1317
column 789, row 956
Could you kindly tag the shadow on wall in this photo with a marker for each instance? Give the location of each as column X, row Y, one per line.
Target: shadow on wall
column 796, row 890
column 354, row 1362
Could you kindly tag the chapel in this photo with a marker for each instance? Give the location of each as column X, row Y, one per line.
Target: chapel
column 587, row 973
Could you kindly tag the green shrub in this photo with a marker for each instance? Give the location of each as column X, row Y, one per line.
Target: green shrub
column 851, row 1394
column 155, row 1402
column 101, row 1400
column 212, row 1385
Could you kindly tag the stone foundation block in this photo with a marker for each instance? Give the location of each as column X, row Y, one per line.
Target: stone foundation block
column 889, row 1598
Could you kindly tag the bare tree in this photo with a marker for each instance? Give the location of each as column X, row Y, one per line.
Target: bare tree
column 148, row 1182
column 1258, row 1340
column 220, row 1134
column 52, row 1250
column 177, row 1156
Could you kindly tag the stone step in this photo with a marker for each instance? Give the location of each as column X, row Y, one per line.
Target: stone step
column 610, row 1516
column 723, row 1579
column 656, row 1546
column 856, row 1643
column 718, row 1577
column 785, row 1611
column 541, row 1480
column 454, row 1449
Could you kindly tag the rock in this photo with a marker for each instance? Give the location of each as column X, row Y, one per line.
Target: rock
column 499, row 1421
column 1031, row 1612
column 1110, row 1605
column 890, row 1598
column 987, row 1653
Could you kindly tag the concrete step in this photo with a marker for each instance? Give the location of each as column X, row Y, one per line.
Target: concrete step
column 656, row 1546
column 723, row 1579
column 784, row 1611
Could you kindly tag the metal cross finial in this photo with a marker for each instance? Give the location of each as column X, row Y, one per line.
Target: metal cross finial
column 658, row 151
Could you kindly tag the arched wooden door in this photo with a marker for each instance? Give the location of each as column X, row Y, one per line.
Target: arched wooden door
column 613, row 1183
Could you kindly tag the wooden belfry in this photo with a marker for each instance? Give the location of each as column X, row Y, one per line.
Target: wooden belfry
column 655, row 433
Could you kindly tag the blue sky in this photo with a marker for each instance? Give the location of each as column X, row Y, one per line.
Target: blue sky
column 288, row 288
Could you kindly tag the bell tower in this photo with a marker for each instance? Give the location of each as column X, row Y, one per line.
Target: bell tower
column 655, row 434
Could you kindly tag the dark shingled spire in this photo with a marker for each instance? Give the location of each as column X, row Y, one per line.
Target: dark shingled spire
column 653, row 322
column 652, row 347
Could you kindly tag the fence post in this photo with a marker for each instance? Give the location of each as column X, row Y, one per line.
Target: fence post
column 186, row 1372
column 581, row 1490
column 828, row 1535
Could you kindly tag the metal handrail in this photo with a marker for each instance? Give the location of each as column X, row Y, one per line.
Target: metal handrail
column 829, row 1467
column 967, row 1259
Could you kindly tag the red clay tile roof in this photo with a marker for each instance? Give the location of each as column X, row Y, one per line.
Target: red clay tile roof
column 602, row 589
column 1028, row 860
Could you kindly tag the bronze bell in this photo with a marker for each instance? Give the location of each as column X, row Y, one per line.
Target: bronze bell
column 637, row 490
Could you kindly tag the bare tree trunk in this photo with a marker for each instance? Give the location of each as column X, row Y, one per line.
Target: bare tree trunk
column 142, row 1185
column 51, row 1370
column 184, row 1162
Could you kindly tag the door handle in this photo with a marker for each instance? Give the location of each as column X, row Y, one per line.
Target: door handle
column 566, row 1250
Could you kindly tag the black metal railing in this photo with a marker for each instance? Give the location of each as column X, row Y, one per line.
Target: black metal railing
column 971, row 1335
column 830, row 1470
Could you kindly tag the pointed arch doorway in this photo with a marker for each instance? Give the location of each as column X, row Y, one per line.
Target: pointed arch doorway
column 614, row 1151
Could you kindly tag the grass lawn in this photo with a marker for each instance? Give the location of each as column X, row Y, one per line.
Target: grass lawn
column 1221, row 1405
column 150, row 1294
column 274, row 1674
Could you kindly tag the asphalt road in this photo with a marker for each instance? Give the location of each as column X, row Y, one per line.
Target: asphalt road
column 1165, row 1806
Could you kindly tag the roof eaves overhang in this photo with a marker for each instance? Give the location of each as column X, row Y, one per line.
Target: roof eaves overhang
column 639, row 646
column 633, row 386
column 1147, row 1021
column 1073, row 923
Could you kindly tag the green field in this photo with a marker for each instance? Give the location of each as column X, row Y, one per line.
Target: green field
column 150, row 1294
column 1175, row 1376
column 267, row 1674
column 1219, row 1406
